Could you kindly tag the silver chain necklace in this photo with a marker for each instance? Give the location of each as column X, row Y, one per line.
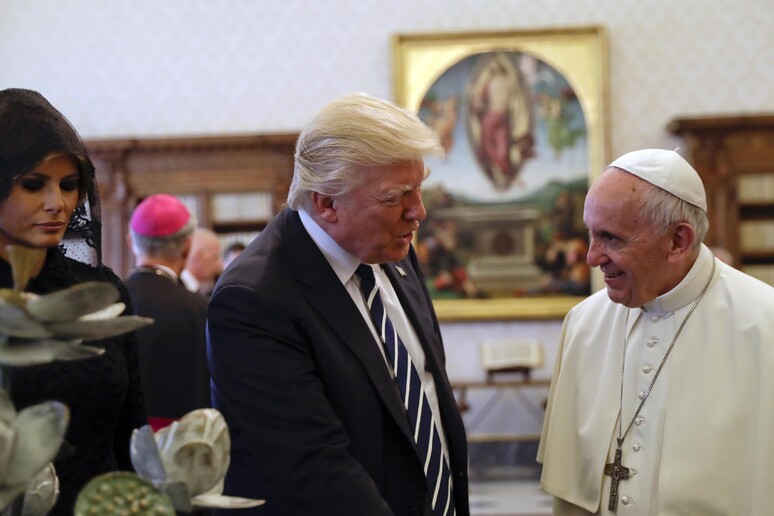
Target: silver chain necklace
column 616, row 470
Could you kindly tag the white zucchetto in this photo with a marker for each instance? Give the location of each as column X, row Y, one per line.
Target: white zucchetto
column 667, row 170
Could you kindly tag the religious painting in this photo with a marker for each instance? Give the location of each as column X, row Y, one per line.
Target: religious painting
column 522, row 118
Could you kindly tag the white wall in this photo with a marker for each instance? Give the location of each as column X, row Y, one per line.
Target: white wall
column 174, row 67
column 170, row 67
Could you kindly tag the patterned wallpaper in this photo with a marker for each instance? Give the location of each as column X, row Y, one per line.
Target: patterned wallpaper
column 176, row 67
column 179, row 67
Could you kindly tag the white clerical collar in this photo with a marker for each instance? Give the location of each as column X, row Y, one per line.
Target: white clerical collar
column 342, row 262
column 189, row 281
column 688, row 289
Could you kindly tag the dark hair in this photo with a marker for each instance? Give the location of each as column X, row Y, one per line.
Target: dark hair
column 235, row 247
column 31, row 131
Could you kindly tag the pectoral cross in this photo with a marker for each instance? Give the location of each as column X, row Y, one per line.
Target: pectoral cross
column 617, row 472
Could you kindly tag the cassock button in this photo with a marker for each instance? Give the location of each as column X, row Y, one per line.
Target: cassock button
column 654, row 318
column 632, row 471
column 639, row 421
column 641, row 394
column 636, row 447
column 647, row 368
column 626, row 500
column 651, row 342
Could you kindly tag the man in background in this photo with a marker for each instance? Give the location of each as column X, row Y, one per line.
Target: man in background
column 204, row 263
column 172, row 351
column 231, row 252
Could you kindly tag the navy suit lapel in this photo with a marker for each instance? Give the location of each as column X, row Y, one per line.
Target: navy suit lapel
column 410, row 290
column 331, row 300
column 408, row 287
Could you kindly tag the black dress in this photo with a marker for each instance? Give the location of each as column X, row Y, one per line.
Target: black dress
column 103, row 393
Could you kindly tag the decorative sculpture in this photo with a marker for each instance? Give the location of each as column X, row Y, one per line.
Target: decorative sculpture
column 39, row 329
column 122, row 492
column 29, row 440
column 181, row 467
column 188, row 461
column 42, row 492
column 35, row 330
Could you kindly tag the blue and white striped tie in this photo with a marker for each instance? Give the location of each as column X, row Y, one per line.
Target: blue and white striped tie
column 414, row 399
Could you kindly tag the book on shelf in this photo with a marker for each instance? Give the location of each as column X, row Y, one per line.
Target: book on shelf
column 245, row 206
column 192, row 203
column 756, row 235
column 756, row 188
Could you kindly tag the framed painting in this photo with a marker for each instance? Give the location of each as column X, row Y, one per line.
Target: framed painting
column 523, row 119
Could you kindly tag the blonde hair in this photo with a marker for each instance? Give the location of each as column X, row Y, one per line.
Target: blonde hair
column 352, row 132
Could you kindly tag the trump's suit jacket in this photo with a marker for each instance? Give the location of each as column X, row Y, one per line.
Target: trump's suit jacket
column 317, row 423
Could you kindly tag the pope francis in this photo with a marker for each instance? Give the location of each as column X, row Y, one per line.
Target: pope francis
column 661, row 401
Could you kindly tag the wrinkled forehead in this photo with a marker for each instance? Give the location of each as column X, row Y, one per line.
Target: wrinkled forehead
column 616, row 184
column 397, row 175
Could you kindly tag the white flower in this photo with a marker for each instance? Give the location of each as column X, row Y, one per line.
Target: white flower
column 38, row 329
column 29, row 441
column 188, row 461
column 42, row 492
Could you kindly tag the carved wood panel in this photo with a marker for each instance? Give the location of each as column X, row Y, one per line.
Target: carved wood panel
column 129, row 170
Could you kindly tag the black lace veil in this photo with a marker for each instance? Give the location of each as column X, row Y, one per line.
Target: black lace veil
column 31, row 129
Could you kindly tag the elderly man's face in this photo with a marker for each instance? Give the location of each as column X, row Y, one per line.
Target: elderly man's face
column 205, row 261
column 377, row 220
column 628, row 249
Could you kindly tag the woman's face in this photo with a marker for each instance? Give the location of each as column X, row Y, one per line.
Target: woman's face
column 37, row 211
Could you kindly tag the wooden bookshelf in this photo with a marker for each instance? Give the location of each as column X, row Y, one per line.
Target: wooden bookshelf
column 233, row 184
column 735, row 157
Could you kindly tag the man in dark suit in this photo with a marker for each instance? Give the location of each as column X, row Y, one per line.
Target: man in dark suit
column 321, row 421
column 172, row 351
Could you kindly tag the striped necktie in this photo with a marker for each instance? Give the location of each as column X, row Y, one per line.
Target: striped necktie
column 414, row 399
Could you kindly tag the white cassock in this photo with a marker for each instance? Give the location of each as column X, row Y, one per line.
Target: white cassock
column 703, row 443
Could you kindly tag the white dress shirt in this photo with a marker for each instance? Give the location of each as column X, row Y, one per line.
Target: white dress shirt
column 344, row 265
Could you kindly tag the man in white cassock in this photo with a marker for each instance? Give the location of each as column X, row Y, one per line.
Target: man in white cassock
column 662, row 396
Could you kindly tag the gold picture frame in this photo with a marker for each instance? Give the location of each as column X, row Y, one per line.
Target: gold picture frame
column 578, row 56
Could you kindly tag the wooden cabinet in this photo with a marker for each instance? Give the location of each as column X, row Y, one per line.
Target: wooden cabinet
column 735, row 157
column 234, row 184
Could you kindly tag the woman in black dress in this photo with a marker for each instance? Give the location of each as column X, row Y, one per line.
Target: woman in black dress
column 49, row 199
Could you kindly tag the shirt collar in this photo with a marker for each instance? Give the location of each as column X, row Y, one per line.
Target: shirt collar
column 688, row 289
column 159, row 269
column 166, row 269
column 342, row 262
